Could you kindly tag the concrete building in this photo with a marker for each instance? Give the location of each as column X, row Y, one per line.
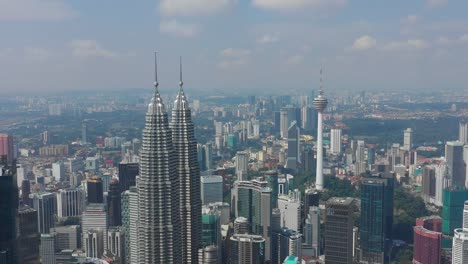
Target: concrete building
column 70, row 202
column 242, row 165
column 94, row 218
column 427, row 240
column 66, row 237
column 339, row 230
column 455, row 163
column 47, row 249
column 247, row 248
column 290, row 208
column 211, row 189
column 94, row 243
column 460, row 246
column 335, row 141
column 28, row 236
column 294, row 147
column 407, row 139
column 45, row 204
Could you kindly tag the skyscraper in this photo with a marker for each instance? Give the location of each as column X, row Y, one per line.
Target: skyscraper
column 94, row 219
column 408, row 139
column 70, row 202
column 159, row 235
column 28, row 236
column 460, row 246
column 427, row 240
column 8, row 211
column 127, row 175
column 463, row 132
column 114, row 204
column 45, row 205
column 211, row 189
column 339, row 231
column 185, row 146
column 284, row 123
column 246, row 248
column 6, row 147
column 335, row 141
column 294, row 147
column 452, row 210
column 320, row 103
column 47, row 249
column 455, row 163
column 242, row 164
column 95, row 190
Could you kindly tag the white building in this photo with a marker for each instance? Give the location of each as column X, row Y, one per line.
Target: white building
column 211, row 189
column 116, row 241
column 70, row 202
column 442, row 181
column 335, row 141
column 94, row 243
column 407, row 139
column 463, row 133
column 460, row 246
column 242, row 164
column 58, row 171
column 290, row 208
column 95, row 218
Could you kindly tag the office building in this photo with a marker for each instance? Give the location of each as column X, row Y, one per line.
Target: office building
column 442, row 182
column 407, row 139
column 246, row 248
column 312, row 231
column 127, row 175
column 252, row 200
column 427, row 240
column 284, row 123
column 376, row 218
column 28, row 236
column 158, row 190
column 294, row 147
column 94, row 218
column 6, row 147
column 308, row 118
column 95, row 191
column 25, row 192
column 455, row 163
column 452, row 209
column 47, row 249
column 66, row 237
column 70, row 202
column 130, row 217
column 116, row 242
column 335, row 141
column 58, row 171
column 428, row 183
column 211, row 189
column 289, row 243
column 320, row 103
column 209, row 255
column 339, row 230
column 114, row 204
column 460, row 246
column 271, row 177
column 94, row 243
column 290, row 208
column 361, row 161
column 463, row 132
column 242, row 165
column 8, row 210
column 45, row 204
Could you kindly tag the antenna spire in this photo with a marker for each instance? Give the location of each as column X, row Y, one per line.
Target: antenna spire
column 321, row 80
column 181, row 83
column 156, row 84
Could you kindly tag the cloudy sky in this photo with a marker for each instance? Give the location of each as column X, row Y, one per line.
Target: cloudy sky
column 268, row 45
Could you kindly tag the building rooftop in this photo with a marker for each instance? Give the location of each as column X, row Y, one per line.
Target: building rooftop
column 341, row 201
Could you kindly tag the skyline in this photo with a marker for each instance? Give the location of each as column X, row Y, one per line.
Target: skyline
column 56, row 45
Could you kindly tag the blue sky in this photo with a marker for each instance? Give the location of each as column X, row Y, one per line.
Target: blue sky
column 234, row 45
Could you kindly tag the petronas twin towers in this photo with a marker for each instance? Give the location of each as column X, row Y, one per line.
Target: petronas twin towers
column 169, row 201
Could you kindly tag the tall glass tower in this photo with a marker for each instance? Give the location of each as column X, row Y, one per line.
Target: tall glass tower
column 188, row 172
column 159, row 239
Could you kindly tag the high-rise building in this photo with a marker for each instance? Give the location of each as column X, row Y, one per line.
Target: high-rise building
column 8, row 210
column 308, row 118
column 452, row 210
column 252, row 200
column 211, row 189
column 45, row 204
column 185, row 146
column 159, row 234
column 246, row 248
column 47, row 249
column 284, row 123
column 70, row 202
column 290, row 208
column 66, row 237
column 427, row 240
column 465, row 215
column 376, row 218
column 407, row 139
column 442, row 182
column 25, row 192
column 6, row 147
column 320, row 103
column 242, row 165
column 95, row 190
column 93, row 241
column 294, row 147
column 28, row 236
column 132, row 243
column 428, row 183
column 114, row 204
column 127, row 175
column 209, row 255
column 94, row 218
column 455, row 163
column 460, row 246
column 335, row 141
column 116, row 241
column 339, row 231
column 211, row 228
column 58, row 171
column 361, row 161
column 312, row 230
column 289, row 243
column 463, row 132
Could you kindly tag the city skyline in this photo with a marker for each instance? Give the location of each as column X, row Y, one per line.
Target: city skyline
column 228, row 44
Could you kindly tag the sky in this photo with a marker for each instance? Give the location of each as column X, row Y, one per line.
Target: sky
column 233, row 46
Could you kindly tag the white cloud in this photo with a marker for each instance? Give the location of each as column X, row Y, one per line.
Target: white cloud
column 436, row 3
column 194, row 7
column 295, row 60
column 268, row 38
column 35, row 10
column 87, row 48
column 364, row 43
column 178, row 29
column 298, row 4
column 233, row 57
column 404, row 45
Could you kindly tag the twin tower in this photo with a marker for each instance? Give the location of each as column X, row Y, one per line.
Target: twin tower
column 169, row 201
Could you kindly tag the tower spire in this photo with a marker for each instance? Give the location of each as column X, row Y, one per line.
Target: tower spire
column 181, row 83
column 321, row 80
column 156, row 84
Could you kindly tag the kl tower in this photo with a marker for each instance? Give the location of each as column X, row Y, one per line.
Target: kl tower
column 320, row 103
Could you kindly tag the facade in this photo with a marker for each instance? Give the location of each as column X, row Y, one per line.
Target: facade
column 94, row 218
column 339, row 231
column 428, row 183
column 463, row 132
column 320, row 103
column 407, row 139
column 460, row 246
column 242, row 165
column 94, row 243
column 114, row 204
column 289, row 243
column 6, row 147
column 70, row 202
column 159, row 234
column 246, row 248
column 28, row 236
column 452, row 210
column 45, row 204
column 290, row 208
column 116, row 242
column 294, row 147
column 8, row 211
column 95, row 191
column 209, row 255
column 376, row 218
column 427, row 240
column 312, row 230
column 127, row 175
column 66, row 237
column 284, row 123
column 58, row 171
column 211, row 227
column 455, row 163
column 47, row 249
column 211, row 189
column 335, row 141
